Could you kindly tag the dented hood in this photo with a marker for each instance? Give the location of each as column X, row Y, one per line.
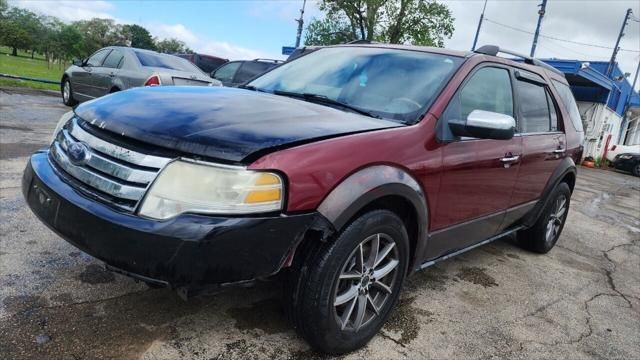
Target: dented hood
column 224, row 123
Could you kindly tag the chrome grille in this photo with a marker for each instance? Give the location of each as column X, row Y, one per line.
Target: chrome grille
column 105, row 168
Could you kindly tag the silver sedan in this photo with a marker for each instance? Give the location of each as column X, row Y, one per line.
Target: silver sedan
column 118, row 68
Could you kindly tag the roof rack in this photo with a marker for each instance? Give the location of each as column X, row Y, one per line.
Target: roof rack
column 269, row 60
column 493, row 50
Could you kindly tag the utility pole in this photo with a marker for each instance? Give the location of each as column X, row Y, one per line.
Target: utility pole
column 616, row 48
column 475, row 39
column 543, row 8
column 623, row 123
column 300, row 23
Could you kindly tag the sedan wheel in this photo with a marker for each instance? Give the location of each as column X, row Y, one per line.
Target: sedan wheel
column 67, row 93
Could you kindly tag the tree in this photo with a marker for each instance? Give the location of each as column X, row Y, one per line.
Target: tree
column 19, row 29
column 329, row 31
column 172, row 46
column 139, row 37
column 418, row 22
column 98, row 33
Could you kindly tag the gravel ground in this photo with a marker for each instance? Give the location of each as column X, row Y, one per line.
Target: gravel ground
column 582, row 300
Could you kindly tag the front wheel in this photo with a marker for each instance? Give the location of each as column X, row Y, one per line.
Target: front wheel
column 544, row 234
column 67, row 93
column 342, row 292
column 636, row 169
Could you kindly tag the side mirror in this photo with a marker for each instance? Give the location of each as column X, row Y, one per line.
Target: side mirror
column 485, row 125
column 77, row 62
column 213, row 74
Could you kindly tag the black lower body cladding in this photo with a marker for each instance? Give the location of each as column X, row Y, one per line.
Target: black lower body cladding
column 187, row 250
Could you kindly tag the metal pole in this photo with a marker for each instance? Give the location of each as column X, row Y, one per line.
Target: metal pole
column 300, row 23
column 616, row 48
column 475, row 39
column 543, row 7
column 623, row 123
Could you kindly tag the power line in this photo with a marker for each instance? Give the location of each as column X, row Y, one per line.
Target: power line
column 555, row 38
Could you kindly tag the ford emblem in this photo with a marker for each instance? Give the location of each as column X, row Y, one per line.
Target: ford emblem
column 79, row 153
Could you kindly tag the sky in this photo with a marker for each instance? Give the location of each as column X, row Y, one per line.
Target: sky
column 245, row 29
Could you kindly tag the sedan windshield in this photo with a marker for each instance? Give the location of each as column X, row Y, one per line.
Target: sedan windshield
column 388, row 83
column 166, row 61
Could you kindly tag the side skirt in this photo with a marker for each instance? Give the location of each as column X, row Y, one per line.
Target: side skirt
column 464, row 250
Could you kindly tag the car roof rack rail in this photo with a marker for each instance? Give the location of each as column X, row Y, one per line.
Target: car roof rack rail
column 269, row 60
column 493, row 50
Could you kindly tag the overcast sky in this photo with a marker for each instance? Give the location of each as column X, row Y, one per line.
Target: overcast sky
column 249, row 29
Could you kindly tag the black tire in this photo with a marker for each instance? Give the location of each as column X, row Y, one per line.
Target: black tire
column 67, row 99
column 636, row 169
column 312, row 283
column 537, row 238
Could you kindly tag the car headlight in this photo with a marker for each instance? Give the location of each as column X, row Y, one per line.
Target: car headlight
column 625, row 157
column 186, row 186
column 63, row 120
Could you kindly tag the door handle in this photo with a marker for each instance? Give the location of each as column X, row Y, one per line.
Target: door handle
column 558, row 151
column 510, row 159
column 111, row 74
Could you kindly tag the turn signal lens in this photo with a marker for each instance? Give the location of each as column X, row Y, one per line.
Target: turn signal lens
column 204, row 188
column 260, row 196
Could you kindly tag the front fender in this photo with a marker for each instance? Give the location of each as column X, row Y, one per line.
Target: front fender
column 369, row 184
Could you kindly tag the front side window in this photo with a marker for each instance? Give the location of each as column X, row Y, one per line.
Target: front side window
column 534, row 107
column 389, row 83
column 488, row 89
column 96, row 58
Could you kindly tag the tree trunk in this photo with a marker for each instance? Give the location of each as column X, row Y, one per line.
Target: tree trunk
column 32, row 51
column 15, row 51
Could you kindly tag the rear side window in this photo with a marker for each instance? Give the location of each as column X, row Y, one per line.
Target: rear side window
column 569, row 103
column 534, row 108
column 208, row 64
column 250, row 69
column 97, row 58
column 114, row 59
column 225, row 73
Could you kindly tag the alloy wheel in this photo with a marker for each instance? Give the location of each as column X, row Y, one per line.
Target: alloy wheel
column 556, row 218
column 366, row 281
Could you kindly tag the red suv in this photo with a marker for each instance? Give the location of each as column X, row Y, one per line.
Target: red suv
column 347, row 170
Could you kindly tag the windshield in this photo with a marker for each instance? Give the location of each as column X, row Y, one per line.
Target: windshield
column 166, row 61
column 390, row 83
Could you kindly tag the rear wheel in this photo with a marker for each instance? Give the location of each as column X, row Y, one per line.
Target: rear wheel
column 67, row 93
column 544, row 234
column 636, row 169
column 342, row 292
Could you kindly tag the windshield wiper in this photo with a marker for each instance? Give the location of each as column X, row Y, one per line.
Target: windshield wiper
column 250, row 87
column 323, row 99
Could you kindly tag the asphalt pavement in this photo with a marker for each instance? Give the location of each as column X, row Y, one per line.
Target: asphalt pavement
column 582, row 300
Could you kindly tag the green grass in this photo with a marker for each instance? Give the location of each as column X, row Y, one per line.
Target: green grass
column 23, row 65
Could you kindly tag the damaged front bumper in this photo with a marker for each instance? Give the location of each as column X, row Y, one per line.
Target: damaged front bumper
column 189, row 250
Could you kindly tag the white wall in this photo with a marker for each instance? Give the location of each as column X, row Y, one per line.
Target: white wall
column 599, row 122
